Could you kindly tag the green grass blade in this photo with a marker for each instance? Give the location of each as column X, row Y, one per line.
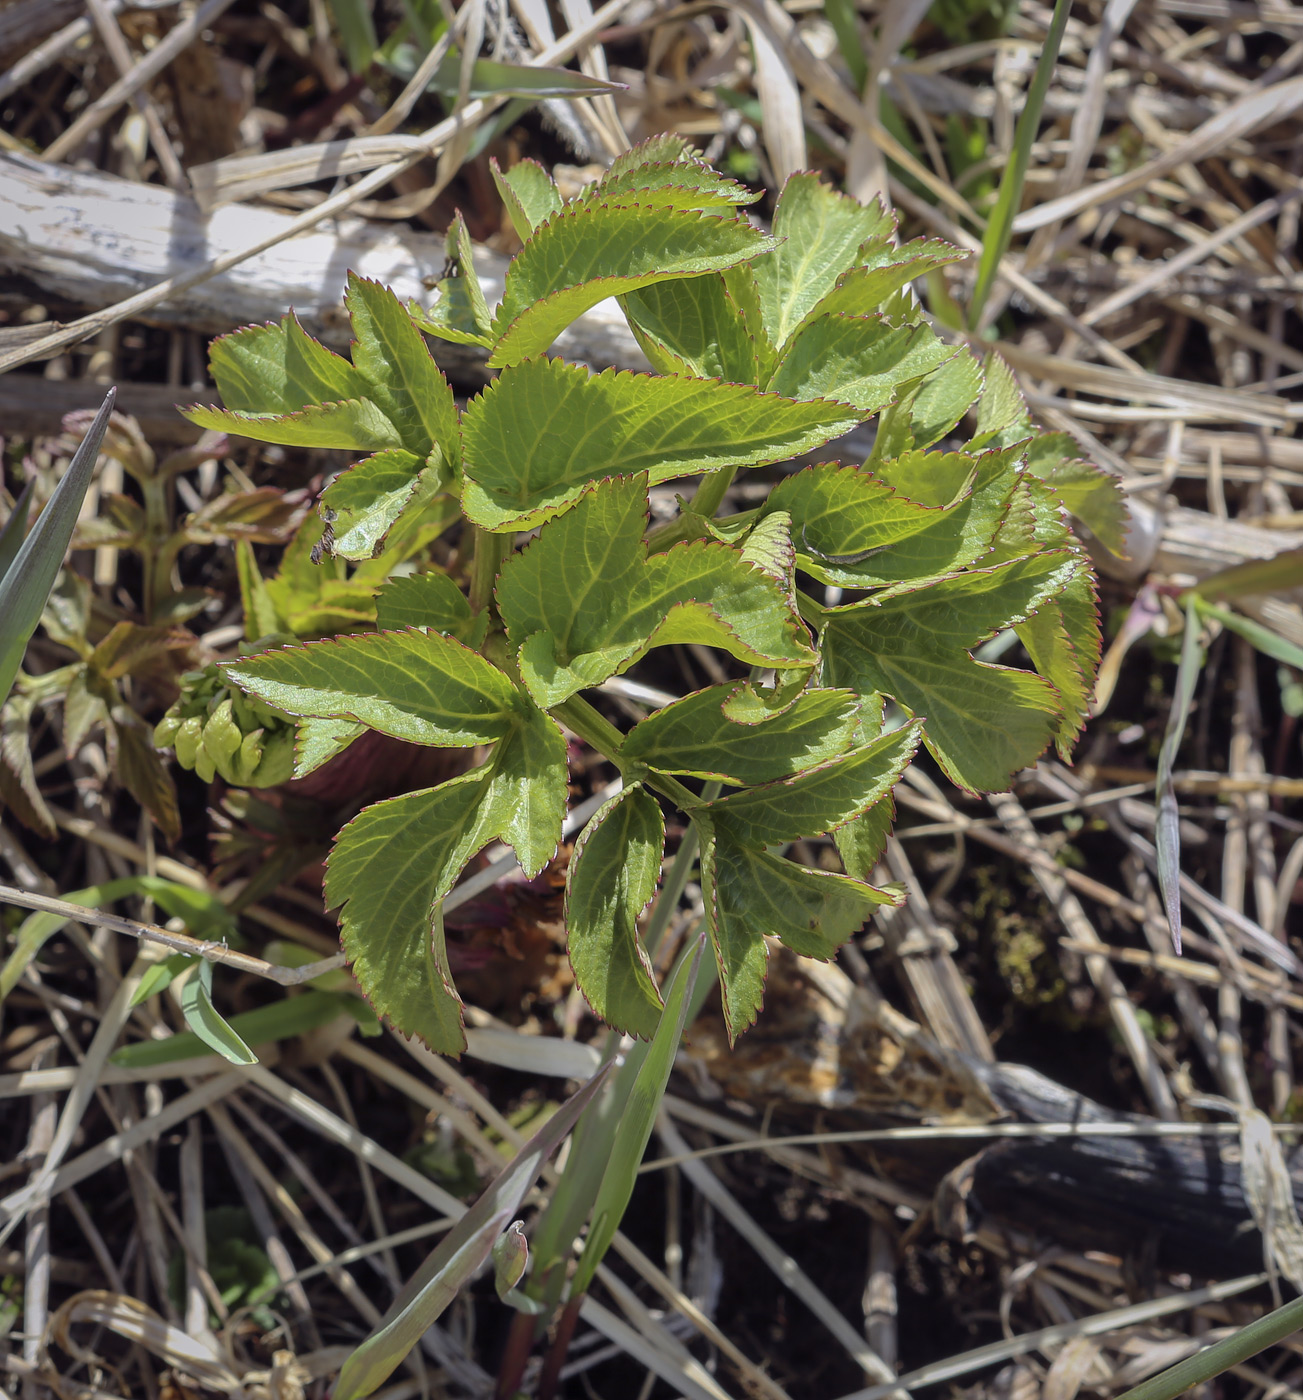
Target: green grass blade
column 279, row 1020
column 999, row 229
column 637, row 1121
column 1221, row 1356
column 1167, row 835
column 1263, row 638
column 27, row 582
column 206, row 1021
column 11, row 537
column 466, row 1246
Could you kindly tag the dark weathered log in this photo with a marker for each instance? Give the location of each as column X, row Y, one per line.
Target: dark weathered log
column 828, row 1048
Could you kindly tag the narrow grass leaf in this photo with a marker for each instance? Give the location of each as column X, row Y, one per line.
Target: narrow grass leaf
column 637, row 1121
column 207, row 1023
column 458, row 1257
column 27, row 582
column 999, row 227
column 1167, row 834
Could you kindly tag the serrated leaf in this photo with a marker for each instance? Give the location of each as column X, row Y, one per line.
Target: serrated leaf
column 429, row 600
column 750, row 895
column 362, row 502
column 544, row 430
column 317, row 741
column 982, row 723
column 128, row 648
column 279, row 368
column 665, row 148
column 402, row 378
column 207, row 1023
column 881, row 271
column 529, row 789
column 917, row 516
column 924, row 415
column 694, row 737
column 392, row 865
column 1087, row 491
column 611, row 879
column 418, row 686
column 357, row 424
column 529, row 192
column 584, row 600
column 821, row 231
column 590, row 252
column 693, row 327
column 83, row 708
column 819, row 799
column 862, row 841
column 1063, row 641
column 461, row 314
column 681, row 184
column 860, row 360
column 1001, row 410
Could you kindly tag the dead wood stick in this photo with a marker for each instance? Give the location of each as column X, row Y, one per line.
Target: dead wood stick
column 93, row 240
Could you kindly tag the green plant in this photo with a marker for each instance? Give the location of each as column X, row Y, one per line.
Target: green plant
column 765, row 346
column 30, row 564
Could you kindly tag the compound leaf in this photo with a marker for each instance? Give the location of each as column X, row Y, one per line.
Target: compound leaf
column 279, row 369
column 925, row 414
column 881, row 271
column 402, row 378
column 590, row 252
column 916, row 516
column 529, row 192
column 362, row 503
column 418, row 686
column 864, row 361
column 680, row 184
column 358, row 424
column 611, row 880
column 543, row 430
column 751, row 895
column 820, row 798
column 393, row 863
column 584, row 600
column 821, row 231
column 428, row 600
column 694, row 737
column 982, row 722
column 693, row 327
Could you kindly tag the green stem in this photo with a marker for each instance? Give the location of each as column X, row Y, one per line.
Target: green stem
column 490, row 554
column 1221, row 1356
column 599, row 733
column 709, row 496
